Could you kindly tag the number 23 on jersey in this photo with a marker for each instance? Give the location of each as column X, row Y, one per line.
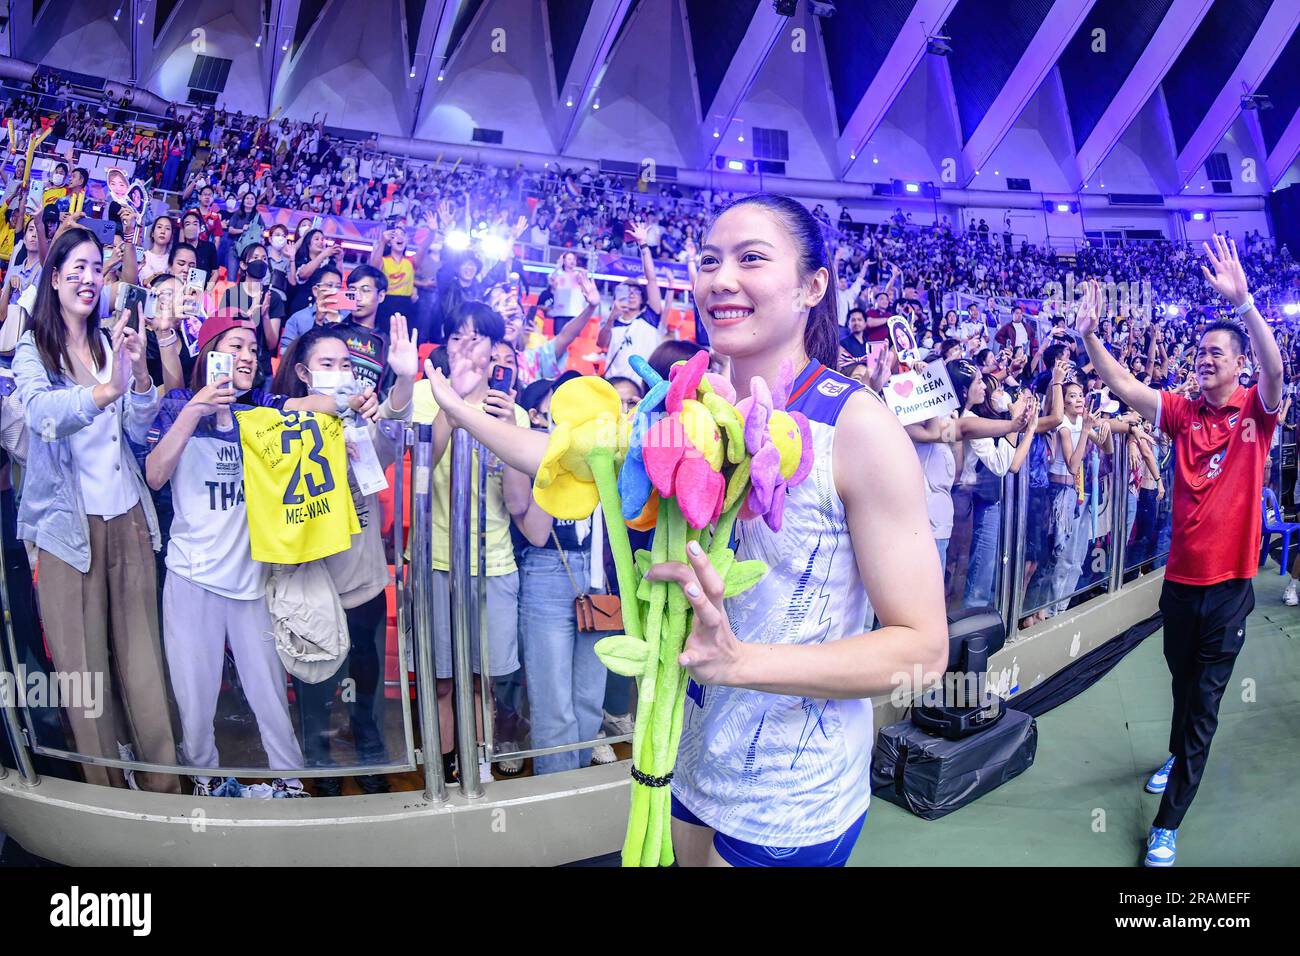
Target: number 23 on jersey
column 295, row 485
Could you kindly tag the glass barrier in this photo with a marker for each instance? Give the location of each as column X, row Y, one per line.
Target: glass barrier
column 1069, row 536
column 198, row 660
column 432, row 585
column 1150, row 504
column 546, row 703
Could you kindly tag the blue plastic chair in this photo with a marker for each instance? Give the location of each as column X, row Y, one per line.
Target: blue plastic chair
column 1273, row 524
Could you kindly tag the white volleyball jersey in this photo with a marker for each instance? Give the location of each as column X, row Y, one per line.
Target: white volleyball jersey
column 765, row 768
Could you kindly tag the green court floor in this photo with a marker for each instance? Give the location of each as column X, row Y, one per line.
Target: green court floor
column 1082, row 801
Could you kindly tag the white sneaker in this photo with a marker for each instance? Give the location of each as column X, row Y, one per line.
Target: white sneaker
column 620, row 725
column 603, row 753
column 1289, row 596
column 484, row 772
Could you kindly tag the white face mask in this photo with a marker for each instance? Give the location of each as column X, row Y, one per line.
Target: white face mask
column 330, row 381
column 278, row 242
column 56, row 179
column 1000, row 402
column 927, row 342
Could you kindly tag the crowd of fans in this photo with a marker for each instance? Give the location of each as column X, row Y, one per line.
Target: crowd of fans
column 308, row 331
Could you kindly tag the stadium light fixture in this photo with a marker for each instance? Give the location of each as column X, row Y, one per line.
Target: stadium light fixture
column 1062, row 207
column 736, row 165
column 595, row 104
column 716, row 134
column 912, row 187
column 740, row 138
column 875, row 160
column 1198, row 216
column 117, row 16
column 441, row 76
column 1291, row 308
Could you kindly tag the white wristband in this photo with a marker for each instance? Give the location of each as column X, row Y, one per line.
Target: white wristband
column 1241, row 310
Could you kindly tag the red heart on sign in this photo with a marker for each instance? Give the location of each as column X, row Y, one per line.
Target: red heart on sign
column 904, row 387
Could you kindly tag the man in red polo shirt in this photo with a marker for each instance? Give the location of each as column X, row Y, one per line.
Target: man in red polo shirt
column 1221, row 442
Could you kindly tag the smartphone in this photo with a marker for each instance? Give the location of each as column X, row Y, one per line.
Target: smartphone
column 348, row 300
column 220, row 365
column 1094, row 402
column 622, row 292
column 317, row 222
column 502, row 379
column 136, row 297
column 196, row 279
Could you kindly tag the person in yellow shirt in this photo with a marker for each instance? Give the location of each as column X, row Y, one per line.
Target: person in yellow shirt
column 473, row 350
column 389, row 254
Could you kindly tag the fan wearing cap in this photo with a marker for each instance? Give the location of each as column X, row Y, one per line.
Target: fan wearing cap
column 215, row 593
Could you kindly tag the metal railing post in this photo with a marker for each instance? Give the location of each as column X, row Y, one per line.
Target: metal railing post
column 1009, row 553
column 13, row 728
column 480, row 629
column 435, row 785
column 1018, row 582
column 1118, row 512
column 461, row 593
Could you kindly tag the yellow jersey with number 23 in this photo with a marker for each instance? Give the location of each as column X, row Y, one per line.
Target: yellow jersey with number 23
column 295, row 485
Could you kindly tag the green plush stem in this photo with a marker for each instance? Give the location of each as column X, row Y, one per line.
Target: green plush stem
column 638, row 818
column 722, row 534
column 670, row 676
column 601, row 462
column 679, row 708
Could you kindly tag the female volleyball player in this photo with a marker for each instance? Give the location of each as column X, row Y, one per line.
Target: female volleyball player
column 776, row 745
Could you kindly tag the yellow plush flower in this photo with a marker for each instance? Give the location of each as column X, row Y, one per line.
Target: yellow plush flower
column 587, row 415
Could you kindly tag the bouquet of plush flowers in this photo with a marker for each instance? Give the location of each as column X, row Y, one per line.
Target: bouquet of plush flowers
column 687, row 462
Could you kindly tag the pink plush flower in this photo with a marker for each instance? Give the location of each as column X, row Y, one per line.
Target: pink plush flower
column 685, row 380
column 683, row 454
column 780, row 443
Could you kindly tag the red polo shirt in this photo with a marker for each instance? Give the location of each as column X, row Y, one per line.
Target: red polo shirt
column 1219, row 459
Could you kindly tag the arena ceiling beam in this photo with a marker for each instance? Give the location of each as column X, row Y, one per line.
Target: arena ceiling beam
column 430, row 49
column 906, row 53
column 765, row 29
column 1177, row 27
column 284, row 15
column 590, row 60
column 1056, row 30
column 1266, row 46
column 1284, row 153
column 442, row 58
column 20, row 29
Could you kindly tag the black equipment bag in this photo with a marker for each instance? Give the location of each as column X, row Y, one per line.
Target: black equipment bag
column 933, row 776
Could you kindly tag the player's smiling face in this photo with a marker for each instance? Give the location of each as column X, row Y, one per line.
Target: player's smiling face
column 242, row 344
column 748, row 287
